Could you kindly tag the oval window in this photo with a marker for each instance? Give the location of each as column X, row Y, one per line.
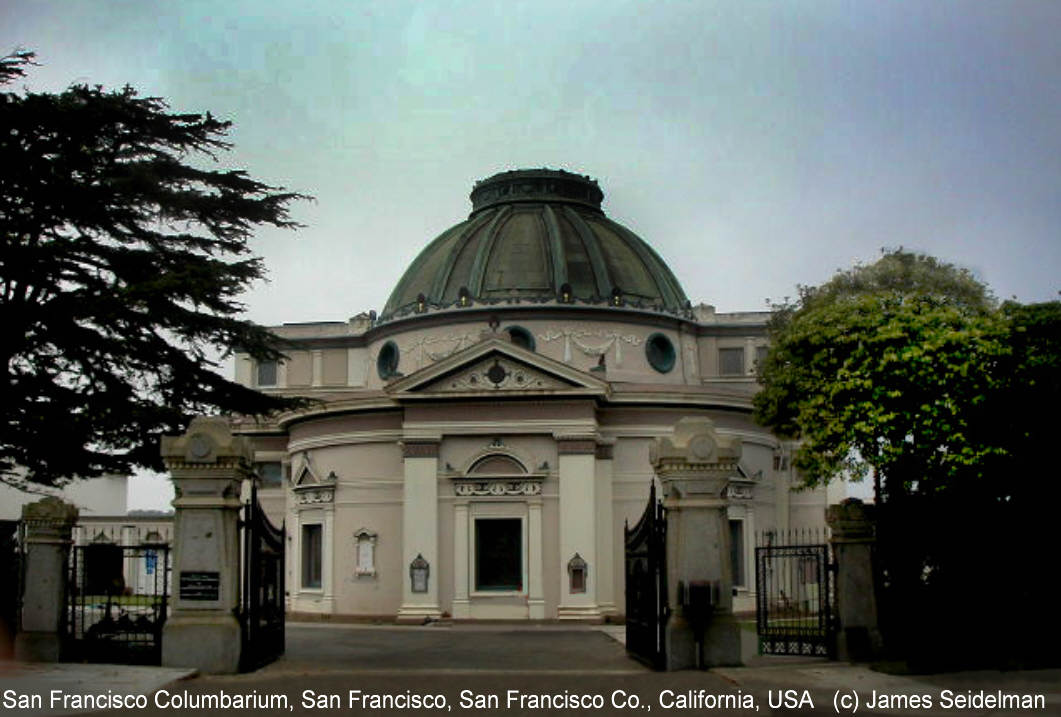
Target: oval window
column 387, row 361
column 660, row 352
column 521, row 337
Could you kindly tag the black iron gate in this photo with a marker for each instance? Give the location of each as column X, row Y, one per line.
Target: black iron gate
column 262, row 605
column 646, row 584
column 117, row 603
column 794, row 604
column 11, row 576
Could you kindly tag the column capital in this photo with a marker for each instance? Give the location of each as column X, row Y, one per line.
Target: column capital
column 420, row 448
column 575, row 445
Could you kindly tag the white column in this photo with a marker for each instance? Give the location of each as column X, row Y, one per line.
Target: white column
column 420, row 529
column 605, row 530
column 535, row 575
column 461, row 607
column 578, row 526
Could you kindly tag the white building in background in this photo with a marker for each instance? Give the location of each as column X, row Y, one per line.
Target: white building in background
column 106, row 495
column 475, row 450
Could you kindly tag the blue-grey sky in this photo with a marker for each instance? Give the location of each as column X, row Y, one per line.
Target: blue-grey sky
column 755, row 145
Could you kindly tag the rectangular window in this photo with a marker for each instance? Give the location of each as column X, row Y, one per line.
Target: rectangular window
column 271, row 473
column 731, row 362
column 760, row 354
column 266, row 373
column 312, row 555
column 736, row 551
column 498, row 554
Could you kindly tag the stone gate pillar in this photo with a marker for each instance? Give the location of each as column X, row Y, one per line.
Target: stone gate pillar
column 694, row 468
column 852, row 526
column 207, row 465
column 49, row 523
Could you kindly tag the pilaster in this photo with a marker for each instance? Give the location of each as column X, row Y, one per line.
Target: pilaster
column 578, row 526
column 420, row 531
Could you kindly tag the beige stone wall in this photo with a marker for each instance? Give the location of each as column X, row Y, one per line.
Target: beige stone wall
column 299, row 369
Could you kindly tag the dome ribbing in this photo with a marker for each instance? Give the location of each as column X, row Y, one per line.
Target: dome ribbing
column 536, row 236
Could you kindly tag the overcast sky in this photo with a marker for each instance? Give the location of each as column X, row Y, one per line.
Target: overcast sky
column 754, row 145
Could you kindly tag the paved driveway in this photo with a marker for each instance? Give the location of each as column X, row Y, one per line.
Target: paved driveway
column 452, row 648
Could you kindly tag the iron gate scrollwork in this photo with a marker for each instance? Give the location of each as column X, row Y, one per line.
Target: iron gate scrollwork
column 794, row 602
column 117, row 603
column 646, row 584
column 262, row 603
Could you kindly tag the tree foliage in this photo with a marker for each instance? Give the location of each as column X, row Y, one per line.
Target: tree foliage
column 124, row 255
column 885, row 367
column 908, row 369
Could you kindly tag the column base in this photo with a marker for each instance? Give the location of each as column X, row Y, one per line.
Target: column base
column 37, row 647
column 209, row 642
column 536, row 609
column 462, row 609
column 581, row 613
column 417, row 614
column 721, row 645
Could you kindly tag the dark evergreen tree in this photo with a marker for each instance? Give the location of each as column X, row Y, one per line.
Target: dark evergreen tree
column 124, row 253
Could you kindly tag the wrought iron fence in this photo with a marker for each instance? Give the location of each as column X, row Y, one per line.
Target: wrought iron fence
column 117, row 603
column 794, row 594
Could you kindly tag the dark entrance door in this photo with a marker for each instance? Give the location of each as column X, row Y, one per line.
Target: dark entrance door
column 794, row 600
column 646, row 584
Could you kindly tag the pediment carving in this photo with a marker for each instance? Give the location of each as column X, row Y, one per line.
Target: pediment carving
column 496, row 374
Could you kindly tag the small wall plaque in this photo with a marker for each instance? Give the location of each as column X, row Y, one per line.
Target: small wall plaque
column 200, row 586
column 576, row 573
column 419, row 570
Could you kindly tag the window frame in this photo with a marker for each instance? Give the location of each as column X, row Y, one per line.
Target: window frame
column 306, row 557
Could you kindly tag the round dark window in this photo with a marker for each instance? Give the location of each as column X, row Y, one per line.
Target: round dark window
column 521, row 337
column 660, row 352
column 387, row 361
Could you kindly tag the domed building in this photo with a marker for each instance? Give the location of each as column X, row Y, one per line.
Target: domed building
column 475, row 449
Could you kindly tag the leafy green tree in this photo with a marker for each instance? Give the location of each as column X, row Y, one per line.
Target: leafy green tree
column 124, row 253
column 882, row 370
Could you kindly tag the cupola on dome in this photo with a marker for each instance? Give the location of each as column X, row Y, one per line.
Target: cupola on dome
column 536, row 236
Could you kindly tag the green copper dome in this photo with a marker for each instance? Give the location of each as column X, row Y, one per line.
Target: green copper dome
column 536, row 236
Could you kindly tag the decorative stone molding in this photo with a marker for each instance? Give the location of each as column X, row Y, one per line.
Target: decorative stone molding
column 851, row 521
column 208, row 441
column 575, row 446
column 696, row 459
column 314, row 495
column 573, row 337
column 501, row 487
column 740, row 491
column 49, row 520
column 498, row 374
column 420, row 449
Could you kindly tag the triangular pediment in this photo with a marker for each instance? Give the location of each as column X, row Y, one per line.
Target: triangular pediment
column 496, row 366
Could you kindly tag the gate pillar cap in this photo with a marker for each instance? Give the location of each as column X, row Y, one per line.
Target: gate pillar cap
column 209, row 439
column 695, row 442
column 50, row 510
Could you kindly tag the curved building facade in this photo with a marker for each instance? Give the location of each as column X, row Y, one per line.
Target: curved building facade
column 475, row 449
